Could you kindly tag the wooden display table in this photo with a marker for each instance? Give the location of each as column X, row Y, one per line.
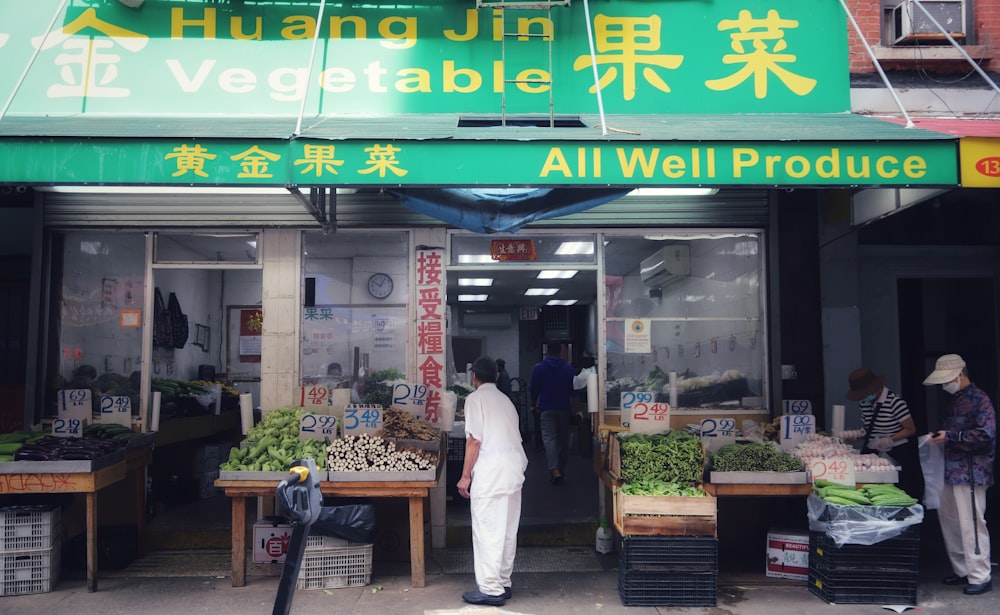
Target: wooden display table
column 415, row 491
column 88, row 483
column 755, row 489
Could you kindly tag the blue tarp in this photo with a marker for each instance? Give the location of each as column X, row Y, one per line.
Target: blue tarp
column 503, row 210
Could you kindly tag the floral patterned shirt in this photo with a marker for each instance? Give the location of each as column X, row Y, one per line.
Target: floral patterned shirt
column 971, row 424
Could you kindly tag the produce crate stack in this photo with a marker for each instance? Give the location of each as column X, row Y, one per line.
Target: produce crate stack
column 30, row 549
column 668, row 570
column 331, row 562
column 882, row 573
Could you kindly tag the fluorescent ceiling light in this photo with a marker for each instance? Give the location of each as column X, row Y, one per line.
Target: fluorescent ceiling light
column 173, row 190
column 475, row 281
column 674, row 192
column 557, row 274
column 475, row 258
column 575, row 247
column 561, row 302
column 541, row 292
column 472, row 297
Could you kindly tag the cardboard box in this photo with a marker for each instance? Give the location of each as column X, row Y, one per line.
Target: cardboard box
column 788, row 555
column 271, row 537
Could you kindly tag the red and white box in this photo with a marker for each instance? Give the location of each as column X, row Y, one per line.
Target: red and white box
column 788, row 555
column 271, row 537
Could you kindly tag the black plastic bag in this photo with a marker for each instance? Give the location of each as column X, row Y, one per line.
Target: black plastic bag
column 353, row 522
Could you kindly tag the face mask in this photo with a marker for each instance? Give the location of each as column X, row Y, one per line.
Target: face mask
column 869, row 399
column 951, row 387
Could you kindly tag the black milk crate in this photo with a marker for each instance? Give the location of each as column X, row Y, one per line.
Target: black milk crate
column 667, row 588
column 668, row 553
column 456, row 449
column 899, row 553
column 864, row 587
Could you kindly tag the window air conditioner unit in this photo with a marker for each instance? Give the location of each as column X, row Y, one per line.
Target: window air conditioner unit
column 666, row 265
column 912, row 25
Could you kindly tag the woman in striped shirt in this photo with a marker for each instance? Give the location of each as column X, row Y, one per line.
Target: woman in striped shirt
column 887, row 427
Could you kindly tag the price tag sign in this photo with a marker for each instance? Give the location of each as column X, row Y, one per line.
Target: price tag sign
column 75, row 404
column 628, row 401
column 797, row 406
column 67, row 428
column 795, row 428
column 646, row 416
column 836, row 470
column 315, row 398
column 716, row 433
column 116, row 409
column 317, row 427
column 360, row 419
column 411, row 397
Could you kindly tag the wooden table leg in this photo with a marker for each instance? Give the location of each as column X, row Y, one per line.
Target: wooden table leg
column 91, row 541
column 140, row 505
column 417, row 541
column 239, row 541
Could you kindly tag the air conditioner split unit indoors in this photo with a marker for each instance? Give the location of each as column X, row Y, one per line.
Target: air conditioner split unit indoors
column 666, row 265
column 910, row 24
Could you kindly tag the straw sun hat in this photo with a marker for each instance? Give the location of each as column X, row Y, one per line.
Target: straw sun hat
column 946, row 369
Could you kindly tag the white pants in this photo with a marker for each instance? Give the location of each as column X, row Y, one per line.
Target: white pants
column 494, row 540
column 961, row 528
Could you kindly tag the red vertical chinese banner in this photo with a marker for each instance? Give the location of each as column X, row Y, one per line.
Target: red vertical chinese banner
column 431, row 328
column 251, row 332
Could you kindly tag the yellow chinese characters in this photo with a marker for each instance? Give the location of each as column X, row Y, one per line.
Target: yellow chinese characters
column 382, row 158
column 621, row 41
column 254, row 162
column 759, row 60
column 190, row 158
column 319, row 159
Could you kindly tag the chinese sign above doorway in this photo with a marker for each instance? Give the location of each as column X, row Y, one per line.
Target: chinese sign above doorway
column 205, row 58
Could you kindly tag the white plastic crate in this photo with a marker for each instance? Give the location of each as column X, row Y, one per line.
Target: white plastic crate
column 325, row 542
column 329, row 567
column 29, row 572
column 29, row 527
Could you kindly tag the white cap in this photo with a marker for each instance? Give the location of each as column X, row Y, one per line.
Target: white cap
column 946, row 369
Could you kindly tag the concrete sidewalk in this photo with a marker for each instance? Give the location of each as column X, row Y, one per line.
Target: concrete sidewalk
column 389, row 593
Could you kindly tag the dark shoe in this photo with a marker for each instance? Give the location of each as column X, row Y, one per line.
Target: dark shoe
column 556, row 477
column 955, row 580
column 507, row 593
column 974, row 589
column 478, row 597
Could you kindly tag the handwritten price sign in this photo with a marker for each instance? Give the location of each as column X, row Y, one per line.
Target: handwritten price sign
column 795, row 428
column 716, row 433
column 411, row 397
column 797, row 406
column 75, row 404
column 317, row 427
column 315, row 397
column 836, row 470
column 116, row 409
column 641, row 414
column 67, row 428
column 361, row 419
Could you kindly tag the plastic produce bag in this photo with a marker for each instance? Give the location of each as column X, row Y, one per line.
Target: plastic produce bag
column 353, row 522
column 860, row 525
column 932, row 465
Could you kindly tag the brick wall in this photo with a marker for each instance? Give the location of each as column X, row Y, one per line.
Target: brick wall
column 868, row 14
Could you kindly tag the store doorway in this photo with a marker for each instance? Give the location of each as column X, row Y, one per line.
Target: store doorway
column 506, row 322
column 940, row 316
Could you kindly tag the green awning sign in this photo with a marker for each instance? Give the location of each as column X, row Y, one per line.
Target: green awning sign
column 464, row 163
column 187, row 57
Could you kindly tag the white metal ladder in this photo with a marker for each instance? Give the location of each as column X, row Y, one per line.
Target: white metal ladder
column 526, row 5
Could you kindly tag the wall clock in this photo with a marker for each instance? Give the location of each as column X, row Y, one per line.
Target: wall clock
column 380, row 285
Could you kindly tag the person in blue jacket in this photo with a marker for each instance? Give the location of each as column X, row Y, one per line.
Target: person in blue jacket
column 552, row 398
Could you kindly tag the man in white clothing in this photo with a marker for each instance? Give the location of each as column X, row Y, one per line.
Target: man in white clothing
column 492, row 478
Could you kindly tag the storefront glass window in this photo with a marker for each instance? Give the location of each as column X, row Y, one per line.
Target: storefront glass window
column 354, row 323
column 552, row 249
column 221, row 247
column 97, row 315
column 685, row 309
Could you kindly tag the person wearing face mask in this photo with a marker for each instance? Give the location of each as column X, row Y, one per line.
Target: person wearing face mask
column 888, row 427
column 969, row 439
